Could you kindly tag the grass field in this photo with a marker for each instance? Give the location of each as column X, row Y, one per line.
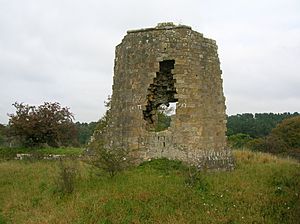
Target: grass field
column 262, row 189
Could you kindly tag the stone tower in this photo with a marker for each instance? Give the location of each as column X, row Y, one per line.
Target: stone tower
column 162, row 66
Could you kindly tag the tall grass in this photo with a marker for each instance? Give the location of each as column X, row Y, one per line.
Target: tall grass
column 262, row 189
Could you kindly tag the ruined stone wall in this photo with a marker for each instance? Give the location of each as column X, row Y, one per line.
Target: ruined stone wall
column 162, row 65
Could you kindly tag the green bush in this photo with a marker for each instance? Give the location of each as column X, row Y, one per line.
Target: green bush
column 196, row 178
column 109, row 160
column 66, row 176
column 288, row 131
column 269, row 144
column 284, row 139
column 238, row 141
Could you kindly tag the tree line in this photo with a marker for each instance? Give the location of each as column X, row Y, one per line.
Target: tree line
column 255, row 125
column 267, row 132
column 52, row 125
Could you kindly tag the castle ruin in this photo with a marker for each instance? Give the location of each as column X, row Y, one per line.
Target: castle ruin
column 168, row 98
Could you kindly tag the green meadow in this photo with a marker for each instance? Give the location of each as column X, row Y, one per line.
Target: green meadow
column 261, row 189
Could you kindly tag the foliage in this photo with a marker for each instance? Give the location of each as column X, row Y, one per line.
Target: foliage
column 4, row 138
column 111, row 161
column 288, row 131
column 65, row 180
column 257, row 125
column 163, row 121
column 283, row 139
column 262, row 189
column 85, row 131
column 108, row 159
column 48, row 124
column 102, row 125
column 268, row 144
column 239, row 140
column 196, row 178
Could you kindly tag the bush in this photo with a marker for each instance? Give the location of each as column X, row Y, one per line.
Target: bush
column 109, row 160
column 196, row 178
column 238, row 141
column 288, row 131
column 48, row 124
column 284, row 139
column 269, row 144
column 65, row 180
column 112, row 160
column 4, row 139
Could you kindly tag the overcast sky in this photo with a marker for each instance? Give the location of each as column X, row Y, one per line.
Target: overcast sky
column 63, row 50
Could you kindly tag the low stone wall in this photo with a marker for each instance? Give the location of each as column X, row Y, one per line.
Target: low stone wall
column 24, row 156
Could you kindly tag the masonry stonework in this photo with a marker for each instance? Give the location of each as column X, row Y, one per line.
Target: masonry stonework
column 162, row 65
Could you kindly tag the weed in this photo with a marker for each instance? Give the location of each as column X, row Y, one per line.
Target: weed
column 65, row 180
column 111, row 161
column 196, row 178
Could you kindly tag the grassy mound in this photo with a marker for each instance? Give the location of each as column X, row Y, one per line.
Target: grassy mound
column 262, row 189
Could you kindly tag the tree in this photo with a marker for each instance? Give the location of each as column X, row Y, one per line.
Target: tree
column 85, row 131
column 283, row 139
column 288, row 131
column 48, row 124
column 258, row 125
column 238, row 141
column 2, row 134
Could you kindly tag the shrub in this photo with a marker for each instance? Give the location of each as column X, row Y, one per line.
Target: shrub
column 196, row 178
column 269, row 144
column 284, row 138
column 110, row 160
column 239, row 140
column 288, row 131
column 48, row 124
column 65, row 180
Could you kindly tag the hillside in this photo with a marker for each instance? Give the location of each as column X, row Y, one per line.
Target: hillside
column 262, row 189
